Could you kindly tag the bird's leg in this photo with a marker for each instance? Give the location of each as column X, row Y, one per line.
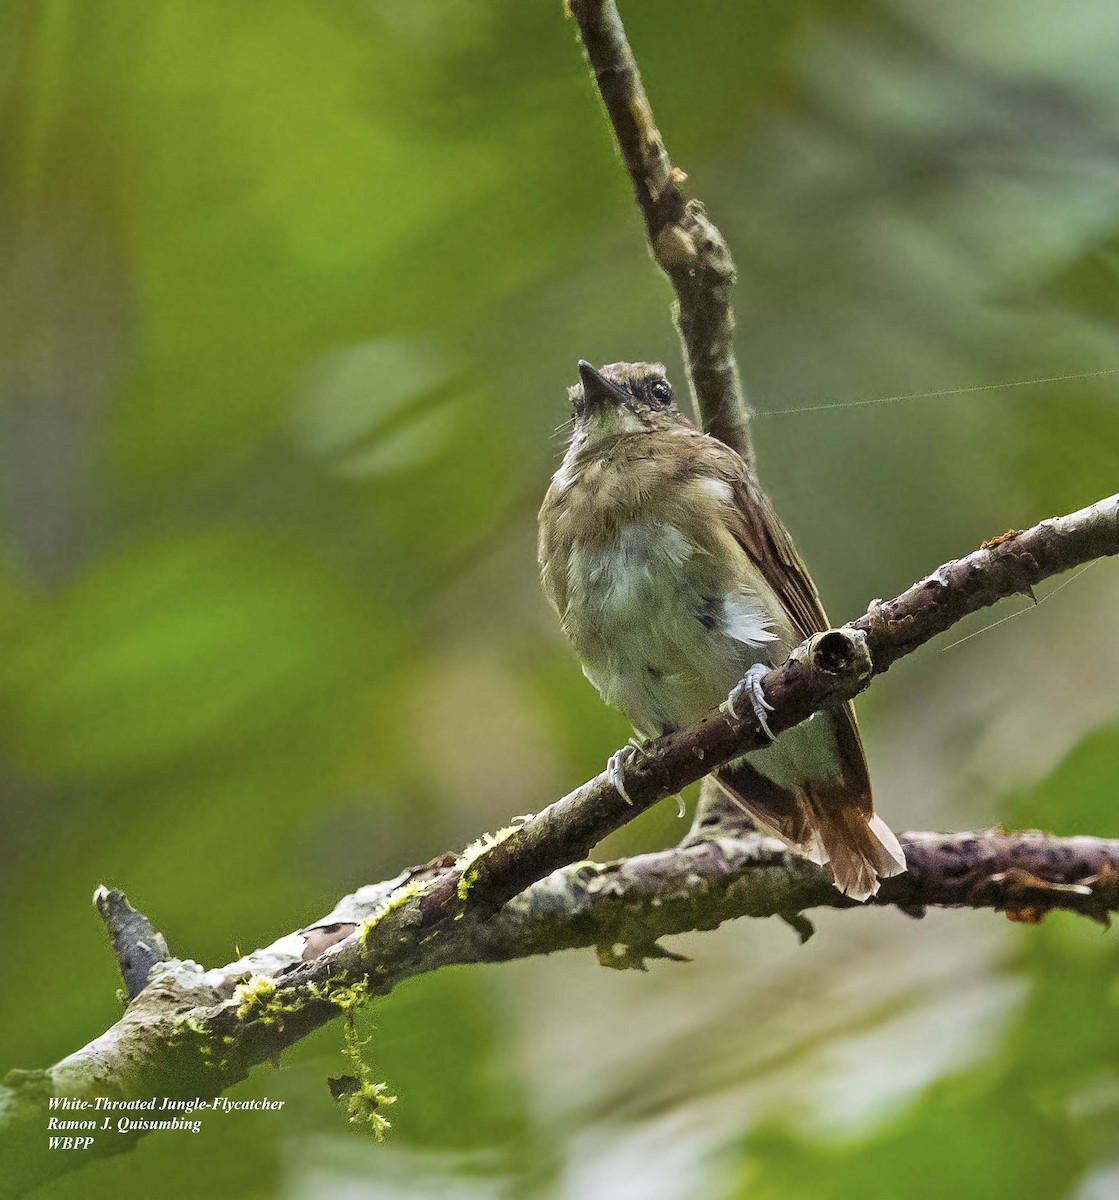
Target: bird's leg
column 616, row 768
column 750, row 688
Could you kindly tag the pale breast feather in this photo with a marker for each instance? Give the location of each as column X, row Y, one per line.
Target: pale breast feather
column 624, row 577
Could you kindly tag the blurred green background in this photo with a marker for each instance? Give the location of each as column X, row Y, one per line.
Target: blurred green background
column 290, row 297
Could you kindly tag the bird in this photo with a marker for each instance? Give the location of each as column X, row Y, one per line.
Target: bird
column 678, row 587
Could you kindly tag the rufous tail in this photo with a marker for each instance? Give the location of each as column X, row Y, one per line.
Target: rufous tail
column 826, row 824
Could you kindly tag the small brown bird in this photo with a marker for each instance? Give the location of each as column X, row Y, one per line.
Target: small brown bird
column 677, row 585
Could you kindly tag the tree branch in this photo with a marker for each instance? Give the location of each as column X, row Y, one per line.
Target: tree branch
column 192, row 1031
column 825, row 670
column 622, row 908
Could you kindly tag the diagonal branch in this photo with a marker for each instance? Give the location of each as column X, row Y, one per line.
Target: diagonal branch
column 827, row 669
column 196, row 1032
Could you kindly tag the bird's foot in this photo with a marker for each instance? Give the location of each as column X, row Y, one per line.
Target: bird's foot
column 750, row 688
column 616, row 767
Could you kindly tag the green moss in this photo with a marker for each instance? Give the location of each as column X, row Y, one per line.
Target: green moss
column 187, row 1023
column 393, row 901
column 260, row 998
column 467, row 866
column 467, row 861
column 348, row 996
column 368, row 1097
column 365, row 1097
column 188, row 1030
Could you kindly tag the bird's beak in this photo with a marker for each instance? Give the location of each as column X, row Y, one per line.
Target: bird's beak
column 598, row 390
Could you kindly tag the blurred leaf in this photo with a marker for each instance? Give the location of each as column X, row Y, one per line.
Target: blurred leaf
column 1079, row 796
column 197, row 643
column 1024, row 1124
column 966, row 1137
column 364, row 407
column 1090, row 283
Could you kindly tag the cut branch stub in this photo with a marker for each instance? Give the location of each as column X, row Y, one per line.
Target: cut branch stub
column 840, row 652
column 135, row 942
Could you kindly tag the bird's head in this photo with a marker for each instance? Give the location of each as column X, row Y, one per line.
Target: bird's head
column 622, row 398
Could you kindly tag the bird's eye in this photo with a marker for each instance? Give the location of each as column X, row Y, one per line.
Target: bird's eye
column 660, row 391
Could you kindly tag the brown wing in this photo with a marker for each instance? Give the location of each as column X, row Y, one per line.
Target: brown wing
column 760, row 532
column 758, row 529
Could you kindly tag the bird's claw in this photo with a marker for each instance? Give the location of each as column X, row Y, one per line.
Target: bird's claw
column 750, row 688
column 616, row 768
column 615, row 771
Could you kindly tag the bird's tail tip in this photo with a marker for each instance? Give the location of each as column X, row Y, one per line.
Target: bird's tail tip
column 862, row 853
